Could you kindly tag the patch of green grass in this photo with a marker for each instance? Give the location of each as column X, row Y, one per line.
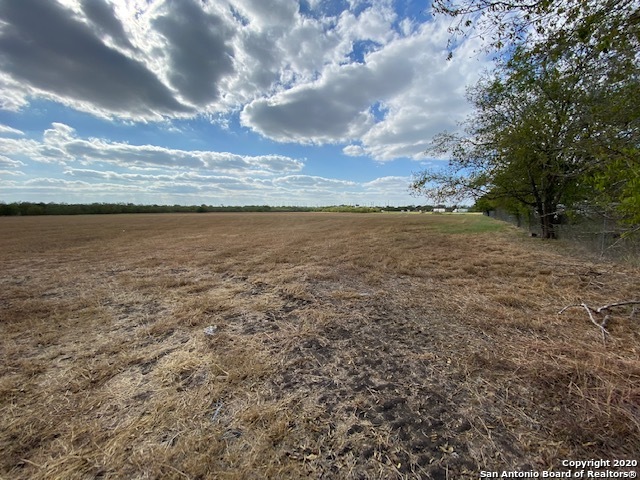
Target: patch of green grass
column 465, row 223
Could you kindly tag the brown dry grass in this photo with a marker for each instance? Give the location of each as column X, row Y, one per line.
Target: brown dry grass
column 346, row 346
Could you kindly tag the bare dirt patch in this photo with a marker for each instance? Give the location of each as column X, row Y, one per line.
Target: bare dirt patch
column 341, row 346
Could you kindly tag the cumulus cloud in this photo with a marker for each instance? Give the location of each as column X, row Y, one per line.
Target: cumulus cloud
column 6, row 162
column 45, row 46
column 391, row 183
column 334, row 108
column 276, row 13
column 373, row 23
column 276, row 47
column 433, row 102
column 13, row 173
column 95, row 169
column 353, row 150
column 278, row 190
column 13, row 95
column 312, row 182
column 61, row 144
column 421, row 92
column 103, row 17
column 17, row 148
column 7, row 130
column 309, row 72
column 166, row 181
column 198, row 53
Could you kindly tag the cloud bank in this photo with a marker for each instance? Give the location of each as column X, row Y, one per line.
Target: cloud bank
column 99, row 169
column 312, row 72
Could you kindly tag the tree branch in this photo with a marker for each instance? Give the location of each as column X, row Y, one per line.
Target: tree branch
column 605, row 308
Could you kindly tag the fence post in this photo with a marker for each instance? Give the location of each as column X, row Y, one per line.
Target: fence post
column 604, row 232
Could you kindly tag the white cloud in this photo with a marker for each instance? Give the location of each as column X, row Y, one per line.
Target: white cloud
column 51, row 51
column 105, row 20
column 13, row 95
column 312, row 182
column 422, row 93
column 214, row 189
column 196, row 47
column 7, row 162
column 295, row 74
column 353, row 150
column 167, row 182
column 23, row 147
column 264, row 15
column 61, row 144
column 334, row 108
column 93, row 169
column 172, row 58
column 388, row 184
column 88, row 185
column 7, row 130
column 276, row 48
column 373, row 23
column 434, row 102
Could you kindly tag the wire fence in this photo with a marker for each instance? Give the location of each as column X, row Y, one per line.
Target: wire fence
column 589, row 229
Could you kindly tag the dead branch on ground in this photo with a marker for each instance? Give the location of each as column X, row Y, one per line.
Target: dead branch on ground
column 604, row 309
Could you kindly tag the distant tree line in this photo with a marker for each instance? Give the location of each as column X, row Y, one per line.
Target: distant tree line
column 41, row 208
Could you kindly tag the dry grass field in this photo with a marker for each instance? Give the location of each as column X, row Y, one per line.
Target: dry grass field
column 340, row 346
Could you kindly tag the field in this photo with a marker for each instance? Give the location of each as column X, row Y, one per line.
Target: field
column 337, row 346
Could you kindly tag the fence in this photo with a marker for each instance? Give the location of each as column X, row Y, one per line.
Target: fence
column 589, row 229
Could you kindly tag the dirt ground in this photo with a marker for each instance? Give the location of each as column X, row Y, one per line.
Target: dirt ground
column 317, row 345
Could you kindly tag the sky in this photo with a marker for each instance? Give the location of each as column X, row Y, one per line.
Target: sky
column 238, row 102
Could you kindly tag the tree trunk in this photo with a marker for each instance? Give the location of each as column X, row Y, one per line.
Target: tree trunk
column 546, row 222
column 547, row 228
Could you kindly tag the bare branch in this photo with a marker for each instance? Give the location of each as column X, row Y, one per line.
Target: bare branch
column 618, row 304
column 593, row 320
column 605, row 308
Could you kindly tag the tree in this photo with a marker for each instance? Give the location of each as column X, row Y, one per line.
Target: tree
column 548, row 24
column 545, row 130
column 559, row 121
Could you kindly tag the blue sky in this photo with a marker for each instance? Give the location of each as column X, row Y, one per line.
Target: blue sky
column 280, row 102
